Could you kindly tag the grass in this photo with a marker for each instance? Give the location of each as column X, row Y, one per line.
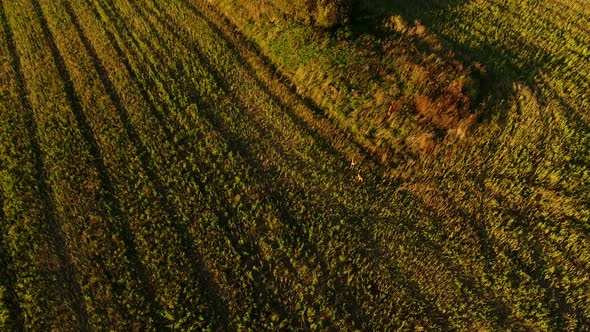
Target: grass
column 211, row 166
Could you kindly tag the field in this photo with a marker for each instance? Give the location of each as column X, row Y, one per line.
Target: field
column 213, row 165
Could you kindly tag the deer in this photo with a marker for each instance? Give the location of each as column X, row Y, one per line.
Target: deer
column 359, row 177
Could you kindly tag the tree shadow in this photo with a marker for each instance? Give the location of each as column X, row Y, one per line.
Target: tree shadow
column 502, row 67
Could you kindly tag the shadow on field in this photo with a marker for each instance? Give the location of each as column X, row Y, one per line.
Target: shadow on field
column 503, row 67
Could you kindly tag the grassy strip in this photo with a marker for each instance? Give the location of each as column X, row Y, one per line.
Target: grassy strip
column 401, row 74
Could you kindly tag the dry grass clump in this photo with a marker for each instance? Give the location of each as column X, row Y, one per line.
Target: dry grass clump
column 446, row 110
column 444, row 88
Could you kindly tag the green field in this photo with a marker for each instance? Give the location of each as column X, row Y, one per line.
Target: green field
column 220, row 165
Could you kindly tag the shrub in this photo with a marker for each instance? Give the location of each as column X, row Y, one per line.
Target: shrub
column 331, row 13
